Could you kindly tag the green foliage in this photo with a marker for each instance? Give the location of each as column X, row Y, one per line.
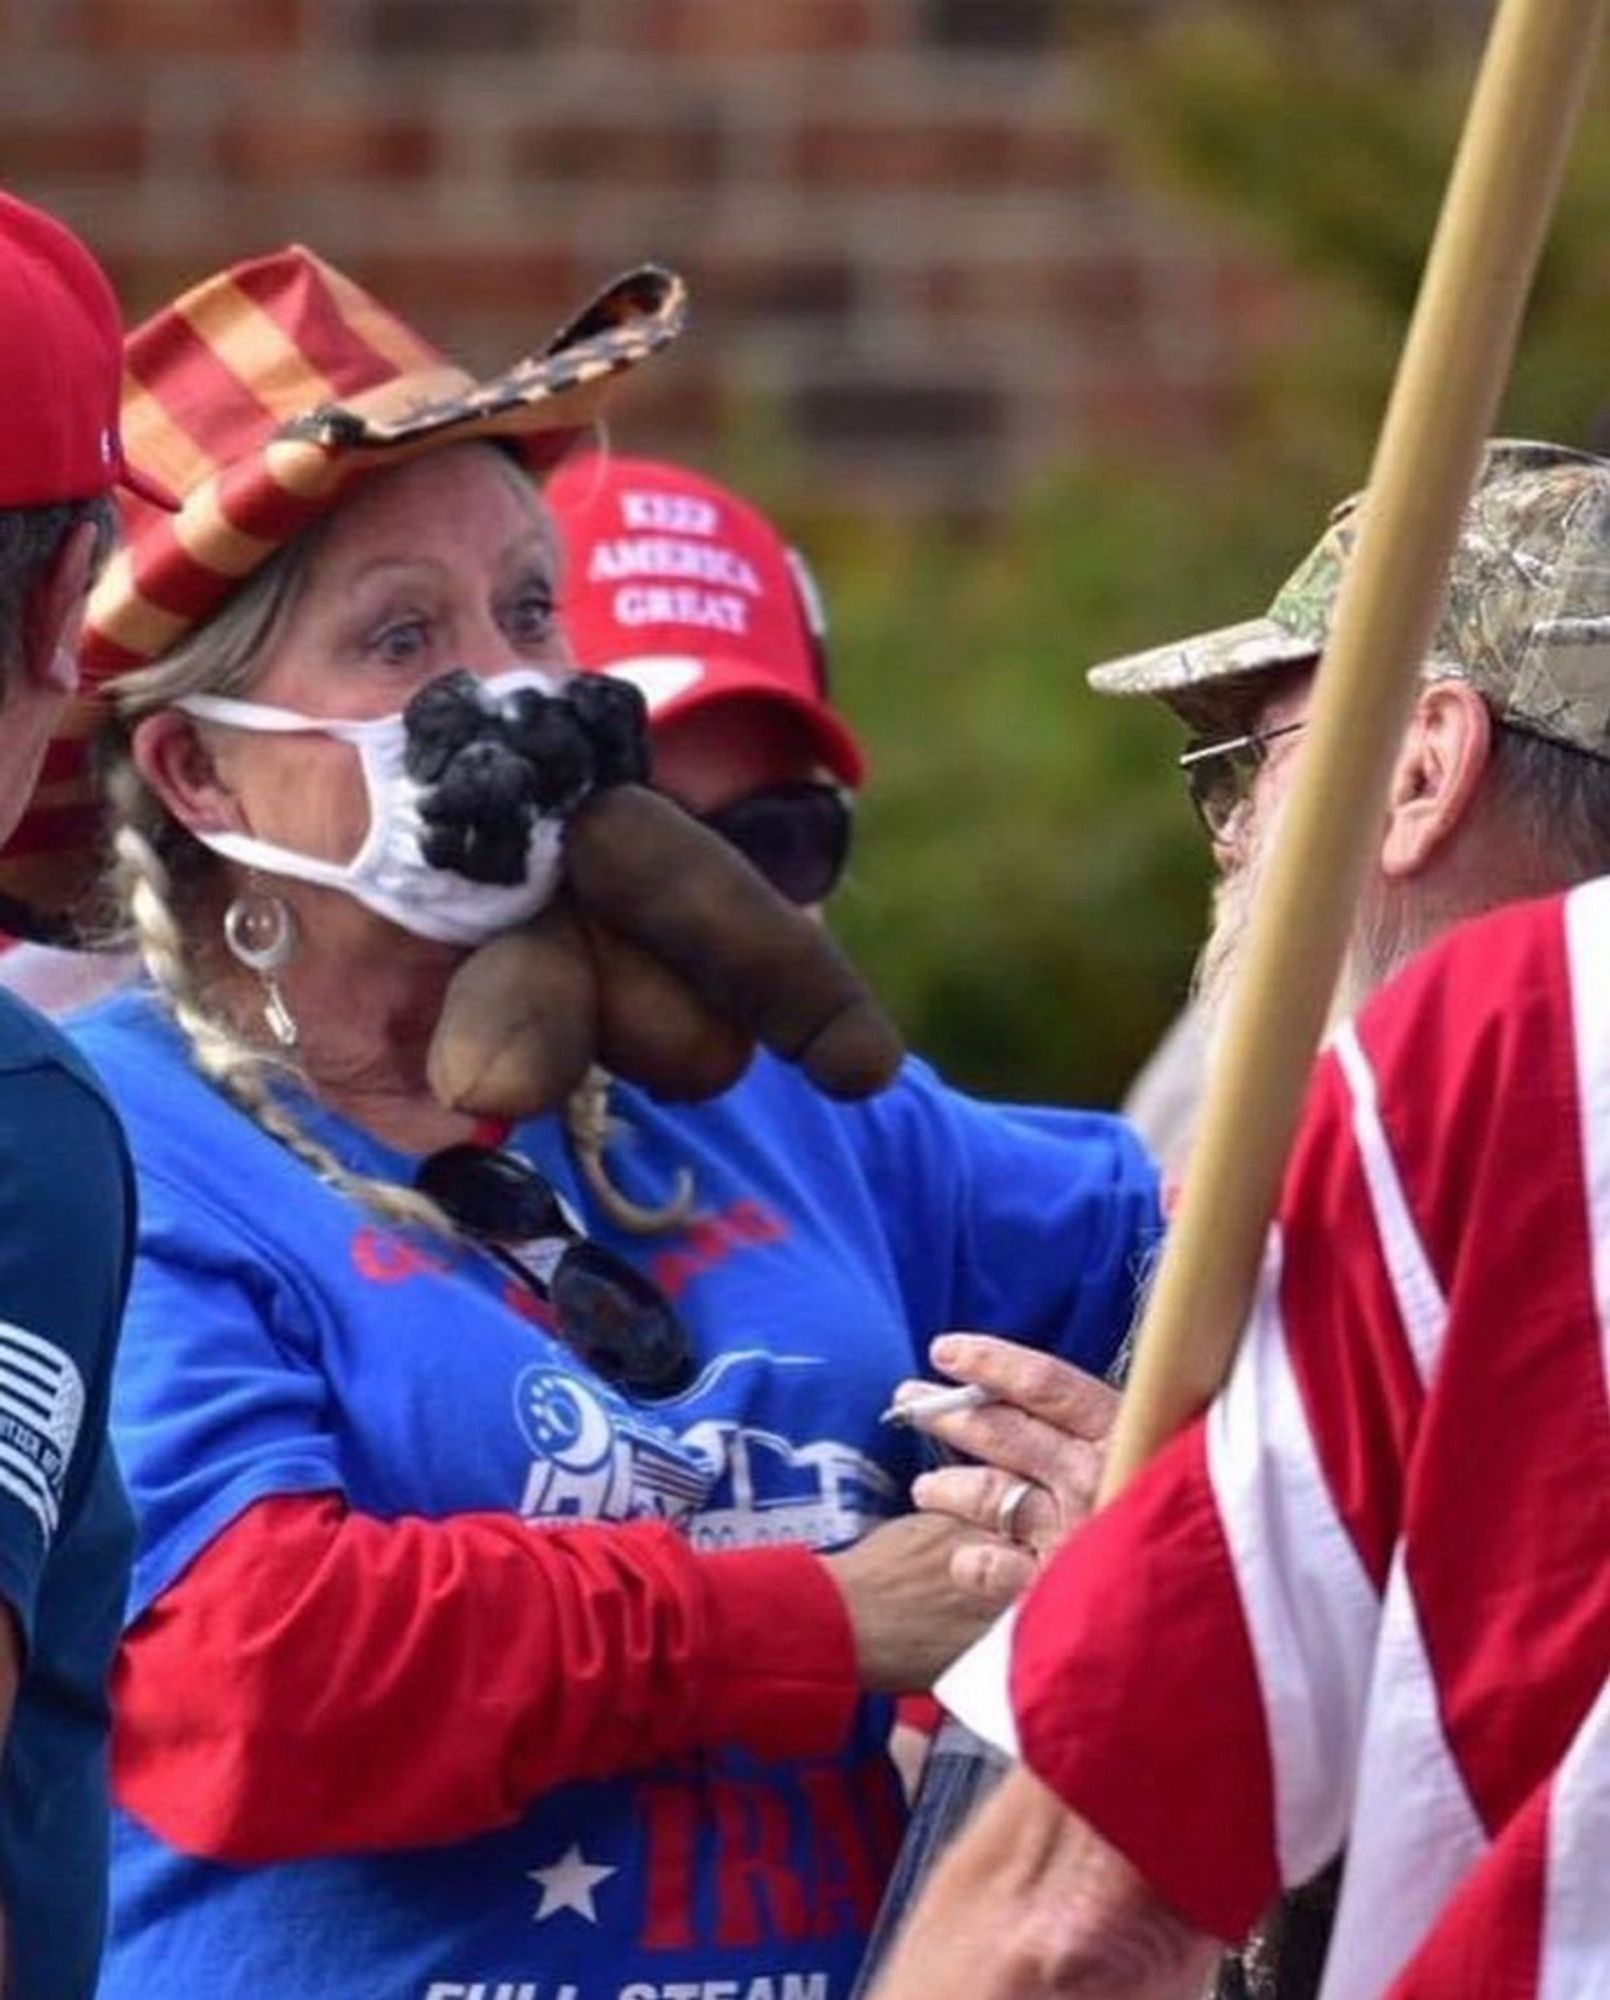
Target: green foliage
column 1030, row 885
column 1307, row 132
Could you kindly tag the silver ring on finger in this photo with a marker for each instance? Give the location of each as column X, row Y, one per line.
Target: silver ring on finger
column 1009, row 1507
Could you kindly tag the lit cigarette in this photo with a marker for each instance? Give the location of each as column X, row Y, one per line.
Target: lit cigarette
column 916, row 1411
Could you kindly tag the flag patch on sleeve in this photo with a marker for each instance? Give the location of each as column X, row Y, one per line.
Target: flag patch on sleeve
column 41, row 1407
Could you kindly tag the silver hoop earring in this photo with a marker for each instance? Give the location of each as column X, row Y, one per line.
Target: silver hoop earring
column 260, row 932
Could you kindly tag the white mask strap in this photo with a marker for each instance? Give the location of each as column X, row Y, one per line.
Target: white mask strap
column 288, row 722
column 278, row 721
column 268, row 859
column 262, row 854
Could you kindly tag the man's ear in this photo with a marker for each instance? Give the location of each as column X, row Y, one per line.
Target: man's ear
column 53, row 616
column 171, row 755
column 1445, row 753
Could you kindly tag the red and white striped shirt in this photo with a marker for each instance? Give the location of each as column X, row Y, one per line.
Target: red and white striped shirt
column 1366, row 1600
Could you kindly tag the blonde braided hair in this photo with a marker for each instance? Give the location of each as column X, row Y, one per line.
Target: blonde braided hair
column 221, row 1053
column 591, row 1126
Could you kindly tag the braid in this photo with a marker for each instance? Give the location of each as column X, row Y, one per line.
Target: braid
column 224, row 1057
column 590, row 1125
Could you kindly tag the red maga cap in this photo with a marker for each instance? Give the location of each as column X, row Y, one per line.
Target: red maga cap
column 61, row 368
column 677, row 585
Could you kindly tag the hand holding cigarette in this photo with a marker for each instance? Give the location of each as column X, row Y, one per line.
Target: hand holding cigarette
column 1036, row 1427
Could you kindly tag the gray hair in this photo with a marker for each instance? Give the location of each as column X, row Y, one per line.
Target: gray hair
column 1558, row 800
column 1545, row 808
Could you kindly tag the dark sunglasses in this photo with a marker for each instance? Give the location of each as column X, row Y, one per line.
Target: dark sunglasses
column 614, row 1318
column 1219, row 776
column 797, row 836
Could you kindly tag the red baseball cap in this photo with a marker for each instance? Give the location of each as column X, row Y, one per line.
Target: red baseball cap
column 61, row 368
column 677, row 585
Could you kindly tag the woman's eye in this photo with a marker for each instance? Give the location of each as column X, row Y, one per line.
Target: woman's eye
column 529, row 617
column 401, row 642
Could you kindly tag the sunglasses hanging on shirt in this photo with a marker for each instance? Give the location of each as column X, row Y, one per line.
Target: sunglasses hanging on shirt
column 615, row 1319
column 797, row 836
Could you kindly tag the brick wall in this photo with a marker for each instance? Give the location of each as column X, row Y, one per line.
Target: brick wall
column 912, row 258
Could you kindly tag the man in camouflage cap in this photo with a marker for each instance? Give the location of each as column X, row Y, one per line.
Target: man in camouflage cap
column 1527, row 619
column 1501, row 789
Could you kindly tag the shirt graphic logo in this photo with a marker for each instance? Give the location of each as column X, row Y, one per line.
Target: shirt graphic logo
column 770, row 1490
column 41, row 1407
column 732, row 1485
column 593, row 1461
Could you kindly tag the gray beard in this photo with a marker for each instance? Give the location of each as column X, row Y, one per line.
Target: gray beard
column 1387, row 932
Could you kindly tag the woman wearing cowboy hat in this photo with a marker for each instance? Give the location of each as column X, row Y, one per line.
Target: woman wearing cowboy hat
column 376, row 1735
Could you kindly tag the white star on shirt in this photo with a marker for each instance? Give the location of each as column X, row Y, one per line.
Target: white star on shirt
column 568, row 1884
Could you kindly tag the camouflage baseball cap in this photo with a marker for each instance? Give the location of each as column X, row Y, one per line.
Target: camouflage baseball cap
column 1527, row 619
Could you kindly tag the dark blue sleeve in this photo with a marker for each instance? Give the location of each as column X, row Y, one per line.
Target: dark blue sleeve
column 1036, row 1223
column 66, row 1235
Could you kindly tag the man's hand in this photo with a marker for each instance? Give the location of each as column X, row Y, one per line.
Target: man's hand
column 1030, row 1903
column 1048, row 1426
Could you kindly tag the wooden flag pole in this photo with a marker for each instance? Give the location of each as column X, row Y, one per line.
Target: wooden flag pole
column 1494, row 221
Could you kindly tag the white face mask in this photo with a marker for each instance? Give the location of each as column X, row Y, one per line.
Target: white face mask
column 389, row 873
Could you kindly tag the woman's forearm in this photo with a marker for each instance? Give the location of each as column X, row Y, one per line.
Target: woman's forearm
column 319, row 1681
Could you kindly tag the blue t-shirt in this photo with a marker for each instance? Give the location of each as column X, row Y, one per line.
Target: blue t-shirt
column 281, row 1340
column 66, row 1246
